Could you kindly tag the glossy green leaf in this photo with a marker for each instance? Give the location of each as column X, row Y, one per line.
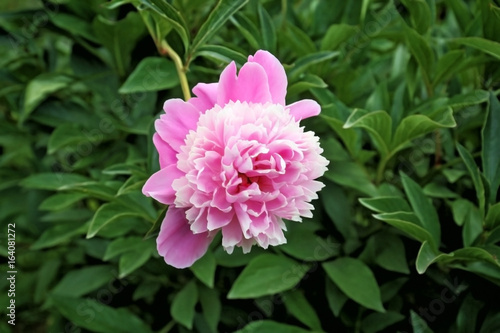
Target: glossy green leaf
column 58, row 234
column 423, row 208
column 356, row 280
column 135, row 258
column 336, row 35
column 377, row 322
column 81, row 281
column 421, row 50
column 388, row 251
column 490, row 146
column 349, row 136
column 300, row 308
column 39, row 89
column 467, row 314
column 493, row 217
column 60, row 201
column 335, row 202
column 420, row 14
column 211, row 305
column 414, row 126
column 305, row 62
column 408, row 223
column 447, row 65
column 171, row 15
column 418, row 324
column 386, row 204
column 270, row 326
column 475, row 175
column 281, row 274
column 267, row 28
column 219, row 15
column 427, row 256
column 221, row 54
column 106, row 214
column 484, row 45
column 352, row 175
column 182, row 309
column 336, row 298
column 377, row 123
column 151, row 74
column 204, row 269
column 96, row 316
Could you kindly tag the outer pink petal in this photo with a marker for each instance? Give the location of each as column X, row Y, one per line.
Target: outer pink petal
column 177, row 243
column 276, row 75
column 304, row 109
column 251, row 85
column 167, row 154
column 206, row 96
column 159, row 185
column 174, row 125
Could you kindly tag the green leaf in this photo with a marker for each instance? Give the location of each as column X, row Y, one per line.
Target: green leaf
column 219, row 15
column 423, row 208
column 438, row 191
column 475, row 175
column 151, row 74
column 221, row 54
column 421, row 50
column 473, row 254
column 409, row 223
column 40, row 88
column 135, row 258
column 211, row 306
column 336, row 35
column 119, row 37
column 336, row 298
column 74, row 25
column 303, row 243
column 377, row 123
column 388, row 251
column 281, row 274
column 336, row 205
column 300, row 308
column 248, row 30
column 204, row 269
column 106, row 214
column 493, row 217
column 301, row 64
column 270, row 326
column 356, row 280
column 80, row 282
column 467, row 314
column 386, row 204
column 447, row 65
column 377, row 322
column 58, row 234
column 45, row 275
column 414, row 126
column 267, row 28
column 349, row 136
column 182, row 309
column 420, row 14
column 352, row 175
column 418, row 324
column 484, row 45
column 97, row 317
column 173, row 16
column 307, row 82
column 61, row 200
column 490, row 146
column 427, row 256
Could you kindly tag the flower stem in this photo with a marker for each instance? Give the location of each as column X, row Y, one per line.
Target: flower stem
column 181, row 70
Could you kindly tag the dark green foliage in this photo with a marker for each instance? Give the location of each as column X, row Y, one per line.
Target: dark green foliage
column 406, row 234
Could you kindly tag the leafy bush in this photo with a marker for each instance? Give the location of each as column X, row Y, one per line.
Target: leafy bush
column 405, row 235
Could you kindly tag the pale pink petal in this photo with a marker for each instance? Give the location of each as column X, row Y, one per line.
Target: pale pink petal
column 304, row 109
column 206, row 96
column 251, row 85
column 174, row 125
column 159, row 185
column 166, row 153
column 276, row 75
column 177, row 243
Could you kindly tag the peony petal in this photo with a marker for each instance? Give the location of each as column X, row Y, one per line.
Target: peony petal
column 251, row 85
column 304, row 109
column 176, row 242
column 174, row 125
column 159, row 185
column 167, row 154
column 206, row 96
column 275, row 72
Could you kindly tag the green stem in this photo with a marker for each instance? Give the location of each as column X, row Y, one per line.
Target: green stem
column 381, row 168
column 181, row 70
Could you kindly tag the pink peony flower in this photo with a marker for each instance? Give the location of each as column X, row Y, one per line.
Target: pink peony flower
column 234, row 159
